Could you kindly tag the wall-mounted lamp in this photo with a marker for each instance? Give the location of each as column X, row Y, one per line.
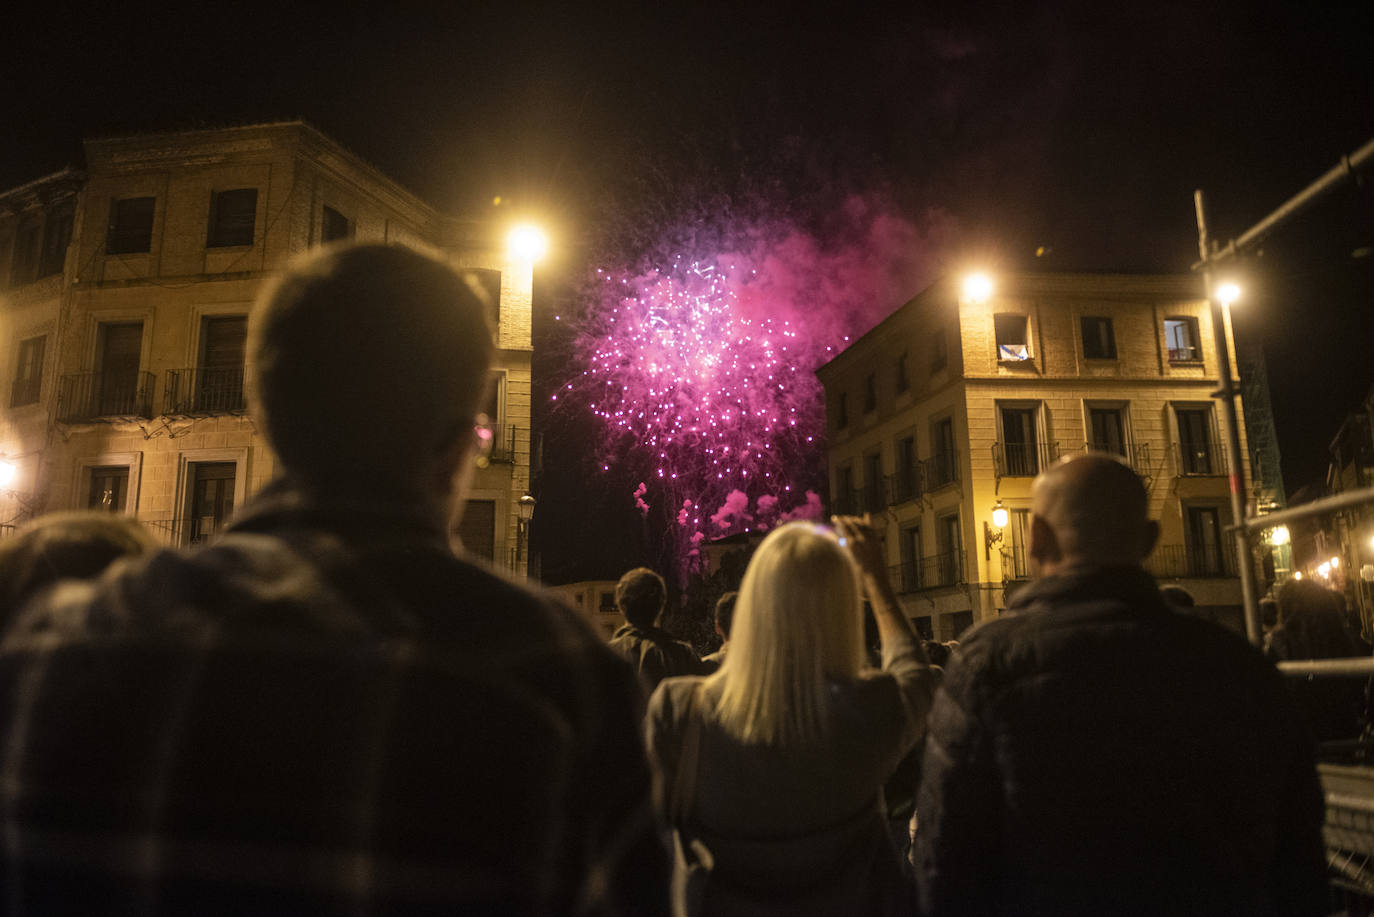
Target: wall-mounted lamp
column 8, row 472
column 524, row 513
column 991, row 537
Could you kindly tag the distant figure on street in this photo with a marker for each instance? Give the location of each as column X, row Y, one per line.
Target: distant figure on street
column 640, row 596
column 1096, row 752
column 725, row 615
column 79, row 544
column 775, row 764
column 326, row 712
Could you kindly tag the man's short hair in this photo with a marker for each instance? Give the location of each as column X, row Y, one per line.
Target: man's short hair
column 367, row 362
column 1097, row 506
column 640, row 596
column 725, row 613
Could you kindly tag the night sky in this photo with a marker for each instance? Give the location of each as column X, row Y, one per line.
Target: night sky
column 1070, row 127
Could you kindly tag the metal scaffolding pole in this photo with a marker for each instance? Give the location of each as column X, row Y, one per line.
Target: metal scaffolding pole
column 1335, row 176
column 1249, row 592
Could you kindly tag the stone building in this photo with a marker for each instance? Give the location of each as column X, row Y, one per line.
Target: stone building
column 124, row 291
column 948, row 409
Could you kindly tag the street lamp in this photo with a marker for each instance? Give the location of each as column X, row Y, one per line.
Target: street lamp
column 1227, row 293
column 525, row 511
column 8, row 472
column 527, row 243
column 977, row 287
column 990, row 537
column 1280, row 536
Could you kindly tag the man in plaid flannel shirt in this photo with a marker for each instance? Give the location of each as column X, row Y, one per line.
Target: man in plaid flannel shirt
column 326, row 711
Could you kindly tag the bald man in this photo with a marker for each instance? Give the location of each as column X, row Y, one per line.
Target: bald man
column 1095, row 752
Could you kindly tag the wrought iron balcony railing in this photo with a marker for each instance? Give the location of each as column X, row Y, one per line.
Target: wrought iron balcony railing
column 1176, row 561
column 1022, row 460
column 907, row 485
column 1137, row 455
column 1015, row 563
column 945, row 569
column 88, row 396
column 1200, row 458
column 204, row 391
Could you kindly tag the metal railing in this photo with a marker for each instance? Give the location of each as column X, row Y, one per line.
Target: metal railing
column 940, row 469
column 930, row 572
column 1137, row 455
column 503, row 442
column 905, row 486
column 1176, row 561
column 87, row 396
column 1202, row 459
column 1022, row 460
column 1015, row 562
column 204, row 391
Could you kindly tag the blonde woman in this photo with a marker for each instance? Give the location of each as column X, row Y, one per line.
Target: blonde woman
column 770, row 771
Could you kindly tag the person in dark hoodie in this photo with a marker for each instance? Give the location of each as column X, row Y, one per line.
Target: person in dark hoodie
column 1096, row 752
column 640, row 596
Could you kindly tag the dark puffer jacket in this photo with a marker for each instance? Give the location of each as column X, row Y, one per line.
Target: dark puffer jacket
column 1095, row 752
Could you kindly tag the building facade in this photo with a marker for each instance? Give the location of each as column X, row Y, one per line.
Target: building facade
column 951, row 406
column 124, row 294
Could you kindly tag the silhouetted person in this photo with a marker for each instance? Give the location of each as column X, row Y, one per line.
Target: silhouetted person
column 1311, row 625
column 725, row 616
column 79, row 544
column 640, row 596
column 776, row 762
column 326, row 712
column 1096, row 752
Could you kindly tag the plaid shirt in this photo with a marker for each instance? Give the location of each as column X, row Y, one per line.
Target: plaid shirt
column 322, row 713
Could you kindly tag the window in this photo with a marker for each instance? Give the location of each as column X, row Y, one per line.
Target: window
column 28, row 372
column 939, row 351
column 607, row 604
column 121, row 348
column 1197, row 453
column 109, row 488
column 24, row 262
column 908, row 470
column 334, row 225
column 944, row 468
column 842, row 410
column 57, row 235
column 844, row 490
column 870, row 393
column 1018, row 542
column 489, row 283
column 1099, row 341
column 909, row 544
column 477, row 529
column 219, row 379
column 948, row 563
column 903, row 382
column 1204, row 542
column 131, row 226
column 233, row 215
column 1107, row 427
column 1013, row 343
column 873, row 483
column 959, row 621
column 212, row 498
column 1020, row 444
column 1181, row 339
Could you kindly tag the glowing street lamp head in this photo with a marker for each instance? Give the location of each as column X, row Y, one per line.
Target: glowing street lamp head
column 527, row 243
column 1280, row 535
column 977, row 287
column 999, row 515
column 8, row 470
column 1228, row 293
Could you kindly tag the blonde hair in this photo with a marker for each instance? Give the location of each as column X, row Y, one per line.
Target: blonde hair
column 798, row 621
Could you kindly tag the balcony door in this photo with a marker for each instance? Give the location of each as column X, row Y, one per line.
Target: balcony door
column 117, row 359
column 1108, row 430
column 212, row 498
column 1204, row 541
column 220, row 383
column 109, row 488
column 1019, row 441
column 1195, row 440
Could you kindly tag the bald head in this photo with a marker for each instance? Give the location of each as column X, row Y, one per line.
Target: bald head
column 1089, row 510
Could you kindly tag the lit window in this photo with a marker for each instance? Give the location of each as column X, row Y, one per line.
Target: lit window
column 1012, row 338
column 1180, row 337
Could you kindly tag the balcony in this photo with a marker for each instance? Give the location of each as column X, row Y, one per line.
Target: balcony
column 1015, row 563
column 91, row 396
column 931, row 572
column 503, row 443
column 204, row 391
column 906, row 486
column 1137, row 455
column 1176, row 561
column 941, row 469
column 1205, row 458
column 1022, row 460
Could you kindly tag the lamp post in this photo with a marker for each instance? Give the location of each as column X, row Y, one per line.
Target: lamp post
column 525, row 509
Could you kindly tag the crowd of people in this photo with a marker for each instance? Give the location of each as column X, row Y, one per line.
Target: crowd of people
column 330, row 710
